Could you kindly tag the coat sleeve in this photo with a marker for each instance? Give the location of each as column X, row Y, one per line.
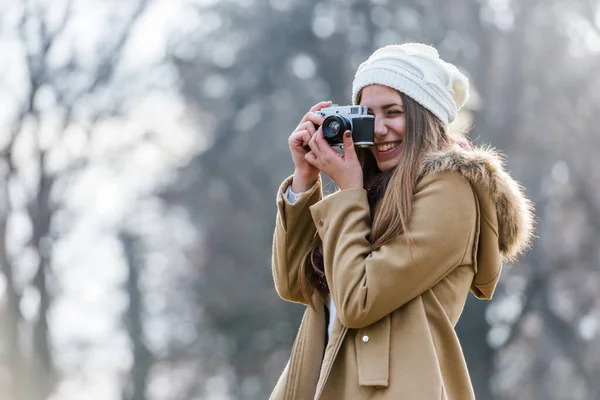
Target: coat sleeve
column 294, row 230
column 367, row 285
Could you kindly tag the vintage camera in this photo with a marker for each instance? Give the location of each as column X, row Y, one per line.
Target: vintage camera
column 339, row 119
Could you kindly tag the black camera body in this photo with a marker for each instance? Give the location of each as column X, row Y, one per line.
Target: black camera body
column 339, row 119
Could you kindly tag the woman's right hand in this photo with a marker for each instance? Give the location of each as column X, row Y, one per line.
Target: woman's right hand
column 305, row 174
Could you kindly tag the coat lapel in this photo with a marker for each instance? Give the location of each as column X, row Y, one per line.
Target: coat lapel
column 338, row 333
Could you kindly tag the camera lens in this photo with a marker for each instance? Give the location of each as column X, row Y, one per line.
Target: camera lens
column 334, row 126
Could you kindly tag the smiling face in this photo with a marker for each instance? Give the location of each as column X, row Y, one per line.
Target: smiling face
column 390, row 124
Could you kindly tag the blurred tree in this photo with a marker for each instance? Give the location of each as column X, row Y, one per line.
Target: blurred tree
column 38, row 35
column 70, row 80
column 135, row 388
column 552, row 333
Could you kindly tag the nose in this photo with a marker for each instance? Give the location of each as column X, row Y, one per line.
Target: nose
column 380, row 128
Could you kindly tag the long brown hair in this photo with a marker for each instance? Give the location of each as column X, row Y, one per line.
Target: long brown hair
column 425, row 133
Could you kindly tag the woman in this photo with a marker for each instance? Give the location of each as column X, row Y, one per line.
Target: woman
column 385, row 264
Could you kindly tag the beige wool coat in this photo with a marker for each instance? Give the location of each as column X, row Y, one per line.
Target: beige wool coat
column 393, row 336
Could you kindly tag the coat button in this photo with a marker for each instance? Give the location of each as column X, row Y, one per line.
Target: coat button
column 320, row 222
column 365, row 339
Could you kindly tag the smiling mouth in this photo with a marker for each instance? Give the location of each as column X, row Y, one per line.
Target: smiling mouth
column 387, row 146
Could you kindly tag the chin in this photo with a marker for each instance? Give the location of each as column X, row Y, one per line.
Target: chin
column 387, row 165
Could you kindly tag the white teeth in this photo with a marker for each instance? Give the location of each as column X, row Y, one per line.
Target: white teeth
column 387, row 146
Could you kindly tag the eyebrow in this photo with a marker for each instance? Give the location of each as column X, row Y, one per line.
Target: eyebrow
column 387, row 106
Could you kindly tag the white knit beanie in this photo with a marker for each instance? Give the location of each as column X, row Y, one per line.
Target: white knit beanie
column 416, row 70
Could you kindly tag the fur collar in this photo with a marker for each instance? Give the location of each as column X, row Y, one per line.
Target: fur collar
column 484, row 167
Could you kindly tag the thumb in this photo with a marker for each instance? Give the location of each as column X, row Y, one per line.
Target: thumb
column 349, row 151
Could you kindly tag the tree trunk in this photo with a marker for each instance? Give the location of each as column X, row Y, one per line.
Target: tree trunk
column 135, row 389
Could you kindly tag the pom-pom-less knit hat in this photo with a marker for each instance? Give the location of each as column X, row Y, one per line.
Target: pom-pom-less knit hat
column 416, row 70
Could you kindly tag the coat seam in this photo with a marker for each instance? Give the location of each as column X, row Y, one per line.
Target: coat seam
column 490, row 282
column 437, row 300
column 491, row 224
column 471, row 231
column 295, row 386
column 296, row 351
column 287, row 256
column 471, row 235
column 287, row 263
column 475, row 248
column 437, row 357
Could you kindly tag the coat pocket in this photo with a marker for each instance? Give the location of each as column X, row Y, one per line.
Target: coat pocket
column 373, row 353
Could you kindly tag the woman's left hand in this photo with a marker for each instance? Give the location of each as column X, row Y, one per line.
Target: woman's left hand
column 345, row 170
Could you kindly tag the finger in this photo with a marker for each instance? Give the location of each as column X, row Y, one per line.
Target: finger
column 306, row 136
column 321, row 105
column 322, row 144
column 349, row 150
column 309, row 126
column 301, row 139
column 314, row 146
column 324, row 152
column 297, row 136
column 312, row 159
column 312, row 117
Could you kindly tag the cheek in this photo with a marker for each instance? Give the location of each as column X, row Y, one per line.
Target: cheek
column 398, row 126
